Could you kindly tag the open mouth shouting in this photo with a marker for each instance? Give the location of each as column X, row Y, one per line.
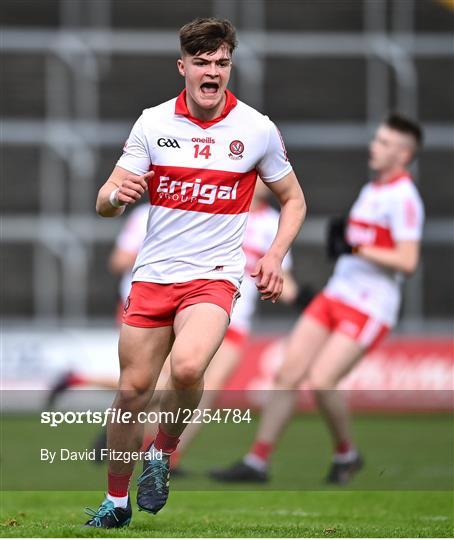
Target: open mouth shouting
column 209, row 88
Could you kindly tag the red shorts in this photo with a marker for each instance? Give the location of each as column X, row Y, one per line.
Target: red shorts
column 347, row 320
column 151, row 305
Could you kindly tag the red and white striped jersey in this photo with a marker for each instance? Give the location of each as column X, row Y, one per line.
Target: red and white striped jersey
column 382, row 215
column 261, row 229
column 205, row 173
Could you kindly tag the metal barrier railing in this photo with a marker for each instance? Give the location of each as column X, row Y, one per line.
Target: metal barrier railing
column 78, row 55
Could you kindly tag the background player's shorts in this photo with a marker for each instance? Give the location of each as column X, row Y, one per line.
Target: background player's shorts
column 347, row 320
column 151, row 305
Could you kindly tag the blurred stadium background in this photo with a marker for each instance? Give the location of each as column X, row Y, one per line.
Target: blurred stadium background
column 76, row 75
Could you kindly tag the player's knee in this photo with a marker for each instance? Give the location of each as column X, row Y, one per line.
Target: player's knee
column 287, row 377
column 186, row 373
column 321, row 381
column 285, row 380
column 133, row 396
column 187, row 369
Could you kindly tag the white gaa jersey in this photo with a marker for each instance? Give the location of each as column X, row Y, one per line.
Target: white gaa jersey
column 382, row 215
column 204, row 179
column 130, row 239
column 261, row 229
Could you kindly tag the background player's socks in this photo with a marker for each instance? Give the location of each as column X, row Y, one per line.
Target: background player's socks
column 343, row 446
column 255, row 462
column 166, row 443
column 252, row 468
column 259, row 455
column 345, row 452
column 118, row 487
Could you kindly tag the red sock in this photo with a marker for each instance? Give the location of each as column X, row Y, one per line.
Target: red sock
column 166, row 443
column 262, row 450
column 343, row 447
column 118, row 484
column 76, row 380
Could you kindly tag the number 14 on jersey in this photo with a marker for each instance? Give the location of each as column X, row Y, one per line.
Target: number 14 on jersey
column 205, row 151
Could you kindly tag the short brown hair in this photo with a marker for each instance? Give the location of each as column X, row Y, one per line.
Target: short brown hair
column 404, row 125
column 207, row 35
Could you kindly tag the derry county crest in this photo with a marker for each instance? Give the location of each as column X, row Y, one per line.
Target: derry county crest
column 236, row 149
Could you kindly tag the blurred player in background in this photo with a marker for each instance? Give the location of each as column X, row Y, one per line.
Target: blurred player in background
column 198, row 155
column 356, row 309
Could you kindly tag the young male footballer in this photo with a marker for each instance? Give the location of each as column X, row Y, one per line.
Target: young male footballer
column 198, row 155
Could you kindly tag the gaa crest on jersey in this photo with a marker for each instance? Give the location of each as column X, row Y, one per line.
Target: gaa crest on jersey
column 168, row 143
column 236, row 148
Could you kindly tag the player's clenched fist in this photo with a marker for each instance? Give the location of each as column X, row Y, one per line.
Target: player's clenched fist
column 269, row 278
column 131, row 189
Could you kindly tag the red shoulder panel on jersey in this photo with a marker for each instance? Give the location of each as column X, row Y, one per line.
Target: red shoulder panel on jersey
column 202, row 190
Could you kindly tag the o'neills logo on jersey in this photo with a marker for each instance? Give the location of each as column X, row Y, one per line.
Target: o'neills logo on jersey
column 195, row 191
column 206, row 140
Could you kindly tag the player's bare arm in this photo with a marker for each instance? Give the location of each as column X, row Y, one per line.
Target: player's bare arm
column 268, row 271
column 404, row 257
column 122, row 188
column 121, row 260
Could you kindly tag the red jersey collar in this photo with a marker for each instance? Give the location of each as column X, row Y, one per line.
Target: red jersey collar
column 393, row 179
column 182, row 108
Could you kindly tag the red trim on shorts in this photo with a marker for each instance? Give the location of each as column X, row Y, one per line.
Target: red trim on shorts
column 154, row 305
column 340, row 317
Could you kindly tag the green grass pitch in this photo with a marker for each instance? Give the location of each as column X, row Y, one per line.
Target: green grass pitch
column 404, row 491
